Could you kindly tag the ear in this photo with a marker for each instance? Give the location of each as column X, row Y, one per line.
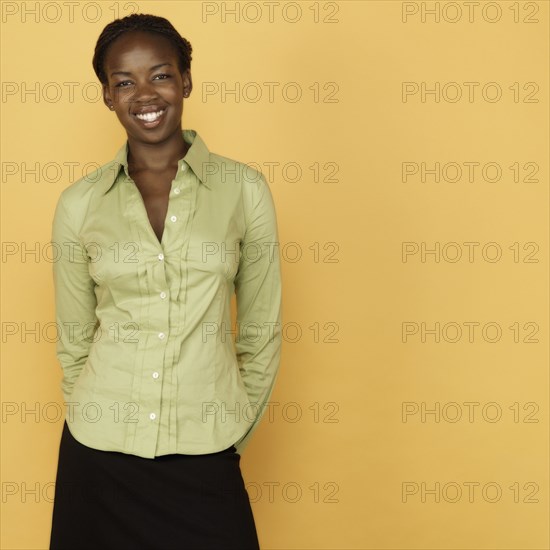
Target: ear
column 107, row 99
column 187, row 82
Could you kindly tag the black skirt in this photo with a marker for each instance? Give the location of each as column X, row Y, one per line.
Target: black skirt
column 109, row 500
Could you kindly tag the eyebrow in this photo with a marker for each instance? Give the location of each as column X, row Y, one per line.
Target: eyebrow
column 125, row 73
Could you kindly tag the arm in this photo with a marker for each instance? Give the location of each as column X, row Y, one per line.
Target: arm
column 75, row 299
column 258, row 292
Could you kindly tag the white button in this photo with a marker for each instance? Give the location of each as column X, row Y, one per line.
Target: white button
column 161, row 335
column 173, row 218
column 161, row 256
column 155, row 375
column 152, row 416
column 177, row 190
column 163, row 295
column 183, row 167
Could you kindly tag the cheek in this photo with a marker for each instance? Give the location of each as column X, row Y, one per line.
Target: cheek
column 175, row 98
column 121, row 97
column 126, row 94
column 173, row 92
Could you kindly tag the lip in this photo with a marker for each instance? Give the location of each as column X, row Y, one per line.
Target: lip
column 150, row 109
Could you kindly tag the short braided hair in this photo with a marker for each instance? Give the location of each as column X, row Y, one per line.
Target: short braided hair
column 145, row 23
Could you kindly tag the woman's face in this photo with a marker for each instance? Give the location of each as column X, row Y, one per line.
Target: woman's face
column 145, row 86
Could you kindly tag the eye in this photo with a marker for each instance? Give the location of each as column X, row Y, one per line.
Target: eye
column 123, row 84
column 162, row 76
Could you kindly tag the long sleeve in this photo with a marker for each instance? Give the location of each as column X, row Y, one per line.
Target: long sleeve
column 258, row 293
column 75, row 300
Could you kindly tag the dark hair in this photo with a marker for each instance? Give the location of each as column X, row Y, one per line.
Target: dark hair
column 145, row 23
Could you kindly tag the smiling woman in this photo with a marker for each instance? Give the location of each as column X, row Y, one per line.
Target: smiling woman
column 162, row 401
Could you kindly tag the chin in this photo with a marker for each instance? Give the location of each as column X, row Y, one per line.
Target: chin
column 154, row 135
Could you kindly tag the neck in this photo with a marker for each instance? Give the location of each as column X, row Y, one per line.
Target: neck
column 156, row 156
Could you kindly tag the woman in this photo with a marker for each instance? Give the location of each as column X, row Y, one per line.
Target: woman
column 160, row 400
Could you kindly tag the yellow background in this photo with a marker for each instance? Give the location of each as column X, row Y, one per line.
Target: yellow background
column 350, row 472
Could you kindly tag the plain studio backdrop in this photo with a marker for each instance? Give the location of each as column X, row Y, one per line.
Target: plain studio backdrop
column 406, row 147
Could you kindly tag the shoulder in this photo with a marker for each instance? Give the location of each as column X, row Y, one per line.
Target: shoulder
column 89, row 185
column 227, row 170
column 79, row 195
column 241, row 182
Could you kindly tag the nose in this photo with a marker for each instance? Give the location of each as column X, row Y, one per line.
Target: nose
column 144, row 91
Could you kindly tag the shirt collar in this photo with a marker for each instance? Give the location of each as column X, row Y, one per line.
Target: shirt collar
column 197, row 157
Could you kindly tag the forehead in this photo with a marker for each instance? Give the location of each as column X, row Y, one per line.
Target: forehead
column 138, row 46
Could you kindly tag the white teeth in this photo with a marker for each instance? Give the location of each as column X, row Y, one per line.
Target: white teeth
column 150, row 117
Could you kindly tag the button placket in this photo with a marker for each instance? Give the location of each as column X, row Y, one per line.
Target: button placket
column 159, row 320
column 176, row 190
column 181, row 212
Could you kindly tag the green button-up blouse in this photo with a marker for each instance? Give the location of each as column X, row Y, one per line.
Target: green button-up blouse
column 151, row 363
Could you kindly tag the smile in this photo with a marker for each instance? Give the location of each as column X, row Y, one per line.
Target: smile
column 150, row 117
